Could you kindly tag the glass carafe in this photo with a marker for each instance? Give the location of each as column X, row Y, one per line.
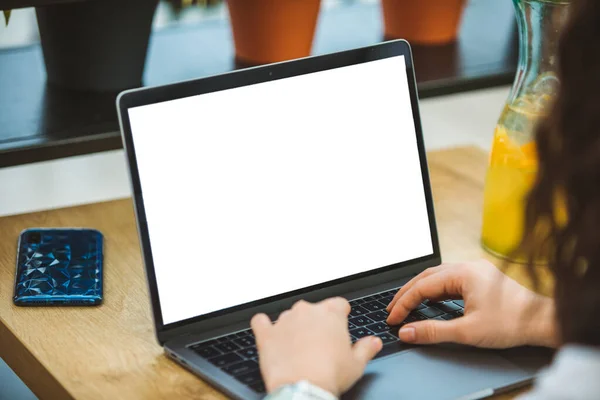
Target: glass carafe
column 513, row 162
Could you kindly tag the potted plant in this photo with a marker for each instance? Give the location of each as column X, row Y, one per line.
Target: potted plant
column 267, row 31
column 96, row 45
column 429, row 22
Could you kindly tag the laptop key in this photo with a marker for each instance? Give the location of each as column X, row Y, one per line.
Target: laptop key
column 207, row 352
column 361, row 332
column 378, row 327
column 248, row 352
column 439, row 318
column 420, row 307
column 374, row 306
column 351, row 325
column 393, row 330
column 231, row 337
column 250, row 377
column 241, row 368
column 387, row 337
column 258, row 387
column 227, row 347
column 358, row 311
column 410, row 318
column 419, row 317
column 360, row 321
column 369, row 298
column 245, row 341
column 226, row 359
column 414, row 316
column 378, row 316
column 386, row 300
column 459, row 302
column 434, row 304
column 448, row 307
column 356, row 302
column 430, row 312
column 447, row 317
column 244, row 333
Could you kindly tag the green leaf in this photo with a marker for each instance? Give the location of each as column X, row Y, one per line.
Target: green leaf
column 6, row 16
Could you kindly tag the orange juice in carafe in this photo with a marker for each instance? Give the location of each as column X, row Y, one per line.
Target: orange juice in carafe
column 513, row 159
column 511, row 173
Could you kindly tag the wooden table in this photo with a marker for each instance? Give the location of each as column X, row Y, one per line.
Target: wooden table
column 110, row 352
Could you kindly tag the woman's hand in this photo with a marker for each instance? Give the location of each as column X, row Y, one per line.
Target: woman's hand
column 499, row 313
column 311, row 342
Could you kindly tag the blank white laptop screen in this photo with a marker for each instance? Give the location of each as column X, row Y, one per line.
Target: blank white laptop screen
column 264, row 189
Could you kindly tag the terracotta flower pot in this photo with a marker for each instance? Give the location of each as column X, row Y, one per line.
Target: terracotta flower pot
column 423, row 21
column 267, row 31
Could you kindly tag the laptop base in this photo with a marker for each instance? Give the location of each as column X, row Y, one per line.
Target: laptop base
column 446, row 373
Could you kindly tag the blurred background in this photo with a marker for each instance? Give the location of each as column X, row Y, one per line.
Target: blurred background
column 23, row 28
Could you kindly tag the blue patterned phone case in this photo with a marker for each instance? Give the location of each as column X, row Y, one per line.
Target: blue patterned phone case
column 59, row 267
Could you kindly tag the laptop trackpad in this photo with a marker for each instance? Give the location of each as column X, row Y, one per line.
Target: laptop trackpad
column 435, row 373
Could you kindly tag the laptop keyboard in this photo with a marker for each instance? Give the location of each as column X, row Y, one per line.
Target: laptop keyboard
column 236, row 353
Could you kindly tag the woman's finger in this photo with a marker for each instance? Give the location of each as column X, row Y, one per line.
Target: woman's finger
column 365, row 349
column 409, row 284
column 284, row 314
column 339, row 305
column 437, row 285
column 261, row 325
column 433, row 331
column 300, row 304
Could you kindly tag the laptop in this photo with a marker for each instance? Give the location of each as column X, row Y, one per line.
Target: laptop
column 299, row 180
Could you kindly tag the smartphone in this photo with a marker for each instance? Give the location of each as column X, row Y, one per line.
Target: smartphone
column 59, row 267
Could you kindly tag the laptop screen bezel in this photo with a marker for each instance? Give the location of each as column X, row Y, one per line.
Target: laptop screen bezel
column 251, row 76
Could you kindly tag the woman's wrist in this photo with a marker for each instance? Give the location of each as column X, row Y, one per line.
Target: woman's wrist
column 302, row 390
column 326, row 385
column 542, row 327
